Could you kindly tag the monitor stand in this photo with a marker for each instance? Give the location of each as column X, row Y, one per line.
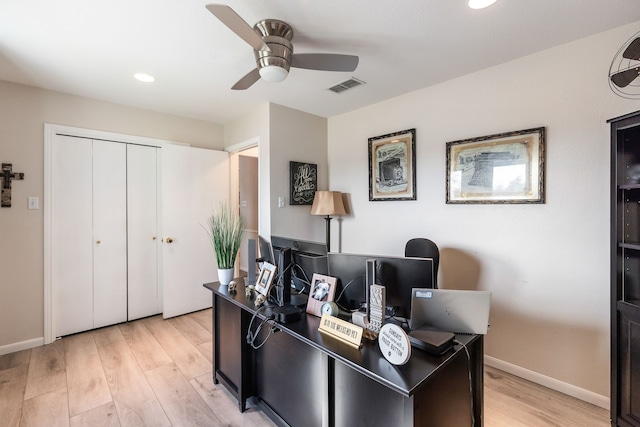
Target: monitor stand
column 299, row 299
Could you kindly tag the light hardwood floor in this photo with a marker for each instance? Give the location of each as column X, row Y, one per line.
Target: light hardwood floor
column 157, row 372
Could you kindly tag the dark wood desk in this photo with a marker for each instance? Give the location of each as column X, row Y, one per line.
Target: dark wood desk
column 301, row 377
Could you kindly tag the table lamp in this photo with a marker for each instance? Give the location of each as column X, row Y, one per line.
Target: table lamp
column 328, row 203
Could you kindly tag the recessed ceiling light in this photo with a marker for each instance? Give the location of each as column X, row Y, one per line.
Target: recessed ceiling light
column 144, row 77
column 480, row 4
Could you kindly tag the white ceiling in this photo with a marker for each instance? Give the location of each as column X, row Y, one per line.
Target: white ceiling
column 92, row 48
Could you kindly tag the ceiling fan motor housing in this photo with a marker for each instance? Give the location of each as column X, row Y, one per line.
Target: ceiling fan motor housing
column 277, row 35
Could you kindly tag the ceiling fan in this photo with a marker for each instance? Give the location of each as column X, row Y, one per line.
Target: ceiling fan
column 625, row 68
column 273, row 50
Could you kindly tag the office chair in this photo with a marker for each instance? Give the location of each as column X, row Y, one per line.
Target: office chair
column 424, row 248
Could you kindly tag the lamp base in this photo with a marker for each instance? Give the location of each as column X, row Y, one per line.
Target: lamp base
column 328, row 220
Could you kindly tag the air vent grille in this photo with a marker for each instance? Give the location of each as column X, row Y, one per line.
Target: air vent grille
column 346, row 85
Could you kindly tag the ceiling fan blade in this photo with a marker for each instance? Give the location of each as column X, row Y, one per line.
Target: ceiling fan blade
column 249, row 79
column 633, row 50
column 624, row 78
column 324, row 61
column 231, row 19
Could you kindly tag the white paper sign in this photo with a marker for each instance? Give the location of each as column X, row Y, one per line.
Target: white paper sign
column 394, row 344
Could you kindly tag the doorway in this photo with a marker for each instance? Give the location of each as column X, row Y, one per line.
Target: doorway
column 248, row 204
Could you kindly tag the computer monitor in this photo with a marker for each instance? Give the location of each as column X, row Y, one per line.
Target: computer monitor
column 398, row 274
column 307, row 258
column 266, row 251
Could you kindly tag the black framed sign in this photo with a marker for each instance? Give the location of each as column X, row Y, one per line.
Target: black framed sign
column 303, row 179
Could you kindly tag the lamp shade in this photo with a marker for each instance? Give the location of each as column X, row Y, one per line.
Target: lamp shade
column 328, row 203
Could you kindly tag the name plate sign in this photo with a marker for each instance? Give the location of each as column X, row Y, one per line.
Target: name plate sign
column 394, row 344
column 342, row 330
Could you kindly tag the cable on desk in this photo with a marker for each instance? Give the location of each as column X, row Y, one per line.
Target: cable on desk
column 466, row 350
column 305, row 280
column 251, row 336
column 401, row 320
column 344, row 288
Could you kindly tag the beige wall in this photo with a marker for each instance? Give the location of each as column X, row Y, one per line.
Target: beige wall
column 302, row 137
column 284, row 135
column 547, row 265
column 254, row 129
column 248, row 167
column 23, row 112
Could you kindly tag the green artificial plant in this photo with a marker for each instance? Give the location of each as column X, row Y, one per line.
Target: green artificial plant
column 225, row 230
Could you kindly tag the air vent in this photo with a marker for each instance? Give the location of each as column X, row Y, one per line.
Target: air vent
column 345, row 85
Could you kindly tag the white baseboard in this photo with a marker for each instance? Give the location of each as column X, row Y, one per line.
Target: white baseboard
column 23, row 345
column 552, row 383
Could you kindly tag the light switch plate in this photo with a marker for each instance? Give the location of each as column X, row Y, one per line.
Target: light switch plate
column 33, row 202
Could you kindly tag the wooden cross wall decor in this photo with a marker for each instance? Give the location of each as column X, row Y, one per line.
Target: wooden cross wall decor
column 7, row 176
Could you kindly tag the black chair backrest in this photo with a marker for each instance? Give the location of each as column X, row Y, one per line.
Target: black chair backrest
column 424, row 248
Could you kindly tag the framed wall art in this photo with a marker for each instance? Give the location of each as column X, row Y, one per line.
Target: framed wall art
column 502, row 168
column 392, row 166
column 303, row 179
column 323, row 289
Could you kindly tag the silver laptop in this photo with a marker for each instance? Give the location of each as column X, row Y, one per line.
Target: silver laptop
column 465, row 312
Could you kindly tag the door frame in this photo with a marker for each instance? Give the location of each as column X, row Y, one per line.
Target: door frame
column 234, row 180
column 50, row 131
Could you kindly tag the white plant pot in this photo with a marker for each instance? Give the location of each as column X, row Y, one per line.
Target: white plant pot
column 225, row 275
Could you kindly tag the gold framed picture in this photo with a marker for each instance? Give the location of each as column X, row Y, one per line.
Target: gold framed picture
column 392, row 166
column 502, row 168
column 323, row 289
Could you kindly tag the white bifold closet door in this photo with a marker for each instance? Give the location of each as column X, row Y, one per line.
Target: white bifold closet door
column 109, row 201
column 144, row 296
column 109, row 233
column 72, row 235
column 89, row 263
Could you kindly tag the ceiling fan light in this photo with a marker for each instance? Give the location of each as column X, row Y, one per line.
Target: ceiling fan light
column 480, row 4
column 273, row 73
column 146, row 78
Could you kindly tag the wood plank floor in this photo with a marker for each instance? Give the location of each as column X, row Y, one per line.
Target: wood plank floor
column 155, row 372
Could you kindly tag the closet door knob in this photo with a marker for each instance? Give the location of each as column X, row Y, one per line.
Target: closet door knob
column 97, row 242
column 169, row 240
column 153, row 238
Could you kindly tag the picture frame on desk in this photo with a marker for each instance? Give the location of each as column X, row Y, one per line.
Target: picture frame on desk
column 501, row 168
column 265, row 279
column 392, row 166
column 323, row 289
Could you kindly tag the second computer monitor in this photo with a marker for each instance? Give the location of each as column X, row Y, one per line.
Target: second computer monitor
column 398, row 274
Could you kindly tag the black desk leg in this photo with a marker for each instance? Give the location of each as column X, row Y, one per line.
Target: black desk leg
column 213, row 340
column 477, row 378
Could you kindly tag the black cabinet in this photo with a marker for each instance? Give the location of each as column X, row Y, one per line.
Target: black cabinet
column 232, row 363
column 625, row 270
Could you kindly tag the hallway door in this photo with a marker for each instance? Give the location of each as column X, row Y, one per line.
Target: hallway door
column 194, row 181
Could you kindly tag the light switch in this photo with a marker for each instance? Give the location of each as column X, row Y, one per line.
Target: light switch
column 281, row 202
column 243, row 204
column 33, row 202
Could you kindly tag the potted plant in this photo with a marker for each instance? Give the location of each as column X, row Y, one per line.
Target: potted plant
column 225, row 230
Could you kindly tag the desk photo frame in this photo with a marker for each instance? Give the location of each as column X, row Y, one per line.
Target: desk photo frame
column 323, row 289
column 265, row 279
